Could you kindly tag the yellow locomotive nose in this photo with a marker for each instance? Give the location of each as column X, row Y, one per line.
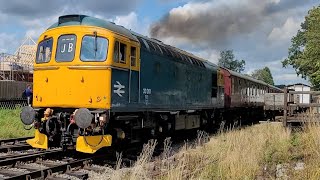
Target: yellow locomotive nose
column 72, row 86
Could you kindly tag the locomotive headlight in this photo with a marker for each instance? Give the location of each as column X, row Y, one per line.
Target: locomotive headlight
column 83, row 118
column 27, row 115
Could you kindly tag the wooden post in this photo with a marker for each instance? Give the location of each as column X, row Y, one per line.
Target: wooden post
column 285, row 107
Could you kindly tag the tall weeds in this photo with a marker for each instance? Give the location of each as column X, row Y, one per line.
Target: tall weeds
column 254, row 152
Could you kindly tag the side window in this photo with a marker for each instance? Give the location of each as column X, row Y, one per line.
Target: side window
column 119, row 54
column 66, row 48
column 133, row 56
column 94, row 48
column 116, row 52
column 122, row 55
column 255, row 90
column 44, row 51
column 252, row 90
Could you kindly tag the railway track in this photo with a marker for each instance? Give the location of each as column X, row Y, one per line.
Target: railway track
column 49, row 164
column 14, row 144
column 57, row 164
column 18, row 160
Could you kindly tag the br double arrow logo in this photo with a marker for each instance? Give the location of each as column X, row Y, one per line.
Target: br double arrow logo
column 119, row 89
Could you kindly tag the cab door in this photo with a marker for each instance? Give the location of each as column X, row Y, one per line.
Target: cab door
column 125, row 73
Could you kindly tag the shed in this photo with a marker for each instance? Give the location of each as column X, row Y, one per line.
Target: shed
column 301, row 98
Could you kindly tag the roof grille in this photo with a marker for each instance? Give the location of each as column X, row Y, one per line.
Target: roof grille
column 71, row 18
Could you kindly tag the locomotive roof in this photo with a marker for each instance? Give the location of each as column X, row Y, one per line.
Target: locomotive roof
column 69, row 20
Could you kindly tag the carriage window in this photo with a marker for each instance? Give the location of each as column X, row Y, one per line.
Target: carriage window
column 119, row 53
column 133, row 56
column 94, row 48
column 66, row 48
column 44, row 51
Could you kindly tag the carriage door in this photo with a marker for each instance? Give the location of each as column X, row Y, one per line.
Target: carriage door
column 134, row 75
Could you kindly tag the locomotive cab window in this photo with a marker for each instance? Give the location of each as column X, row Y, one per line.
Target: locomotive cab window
column 119, row 54
column 44, row 51
column 66, row 48
column 94, row 48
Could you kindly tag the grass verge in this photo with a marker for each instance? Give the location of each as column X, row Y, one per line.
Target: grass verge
column 11, row 125
column 264, row 151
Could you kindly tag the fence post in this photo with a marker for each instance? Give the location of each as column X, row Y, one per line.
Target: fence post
column 285, row 107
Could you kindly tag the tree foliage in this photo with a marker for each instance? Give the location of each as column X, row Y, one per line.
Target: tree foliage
column 228, row 61
column 304, row 53
column 263, row 75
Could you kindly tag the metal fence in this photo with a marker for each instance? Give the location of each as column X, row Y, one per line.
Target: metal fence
column 13, row 103
column 11, row 94
column 12, row 89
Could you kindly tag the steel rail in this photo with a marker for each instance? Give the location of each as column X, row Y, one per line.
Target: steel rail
column 17, row 147
column 19, row 155
column 65, row 168
column 14, row 140
column 28, row 157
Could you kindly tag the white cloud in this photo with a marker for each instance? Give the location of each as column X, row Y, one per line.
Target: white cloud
column 129, row 21
column 211, row 55
column 280, row 74
column 35, row 27
column 133, row 22
column 286, row 31
column 289, row 78
column 8, row 43
column 275, row 1
column 3, row 17
column 38, row 8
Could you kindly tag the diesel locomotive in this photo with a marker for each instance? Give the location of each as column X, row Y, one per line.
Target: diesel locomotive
column 98, row 84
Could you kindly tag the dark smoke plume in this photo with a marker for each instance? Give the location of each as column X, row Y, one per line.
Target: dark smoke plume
column 218, row 21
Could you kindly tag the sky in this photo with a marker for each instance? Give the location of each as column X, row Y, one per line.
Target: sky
column 258, row 31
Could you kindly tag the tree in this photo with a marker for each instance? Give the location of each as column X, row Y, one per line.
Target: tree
column 228, row 61
column 263, row 75
column 304, row 53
